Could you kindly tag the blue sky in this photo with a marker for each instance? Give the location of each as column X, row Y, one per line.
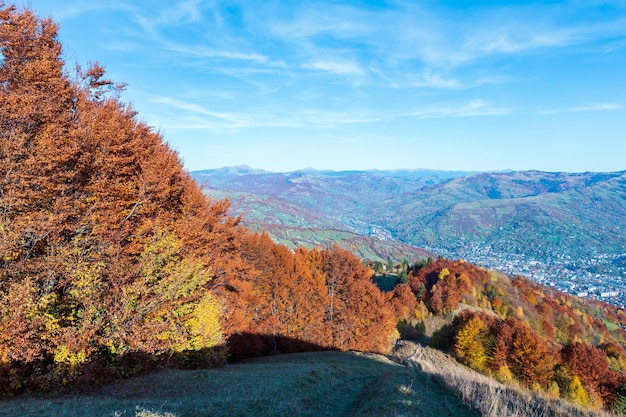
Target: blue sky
column 285, row 85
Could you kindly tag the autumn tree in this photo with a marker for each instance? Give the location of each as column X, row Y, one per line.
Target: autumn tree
column 107, row 246
column 288, row 295
column 591, row 365
column 38, row 153
column 356, row 313
column 531, row 359
column 469, row 341
column 403, row 302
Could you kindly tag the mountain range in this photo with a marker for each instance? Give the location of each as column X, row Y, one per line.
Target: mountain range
column 565, row 229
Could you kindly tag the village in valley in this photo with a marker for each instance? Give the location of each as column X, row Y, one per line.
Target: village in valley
column 599, row 277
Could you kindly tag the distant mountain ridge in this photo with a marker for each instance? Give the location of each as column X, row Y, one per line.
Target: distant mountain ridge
column 555, row 222
column 290, row 206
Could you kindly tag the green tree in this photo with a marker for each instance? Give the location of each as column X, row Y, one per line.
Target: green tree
column 404, row 265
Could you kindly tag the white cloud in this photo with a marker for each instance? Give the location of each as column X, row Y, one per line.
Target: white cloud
column 471, row 109
column 430, row 79
column 207, row 52
column 585, row 108
column 597, row 107
column 181, row 13
column 71, row 10
column 195, row 108
column 306, row 21
column 339, row 67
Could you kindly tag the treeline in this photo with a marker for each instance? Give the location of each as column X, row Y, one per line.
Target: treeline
column 519, row 331
column 112, row 261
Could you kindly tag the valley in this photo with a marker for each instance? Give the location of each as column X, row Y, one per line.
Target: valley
column 565, row 230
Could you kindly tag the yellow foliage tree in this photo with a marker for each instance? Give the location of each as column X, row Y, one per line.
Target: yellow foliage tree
column 443, row 273
column 171, row 301
column 468, row 345
column 577, row 393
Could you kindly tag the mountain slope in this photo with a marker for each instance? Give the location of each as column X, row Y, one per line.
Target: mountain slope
column 560, row 228
column 545, row 209
column 296, row 207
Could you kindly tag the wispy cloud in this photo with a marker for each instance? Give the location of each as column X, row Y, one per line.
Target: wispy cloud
column 305, row 21
column 230, row 118
column 207, row 52
column 471, row 109
column 196, row 116
column 409, row 31
column 71, row 10
column 180, row 13
column 428, row 78
column 199, row 117
column 597, row 107
column 341, row 67
column 594, row 107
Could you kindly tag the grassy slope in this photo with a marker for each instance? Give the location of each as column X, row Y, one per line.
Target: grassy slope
column 362, row 246
column 428, row 384
column 492, row 398
column 306, row 384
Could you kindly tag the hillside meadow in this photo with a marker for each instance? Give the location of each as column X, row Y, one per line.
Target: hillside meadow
column 301, row 384
column 413, row 381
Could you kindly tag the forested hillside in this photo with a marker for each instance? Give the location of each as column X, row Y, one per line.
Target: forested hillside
column 112, row 261
column 518, row 331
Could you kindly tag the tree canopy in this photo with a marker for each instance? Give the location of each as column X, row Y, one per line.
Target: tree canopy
column 112, row 260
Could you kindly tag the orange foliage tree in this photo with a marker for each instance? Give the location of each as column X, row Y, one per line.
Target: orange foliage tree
column 287, row 298
column 107, row 246
column 591, row 365
column 356, row 314
column 403, row 302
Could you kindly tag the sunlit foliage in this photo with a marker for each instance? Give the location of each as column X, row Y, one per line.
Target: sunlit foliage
column 112, row 261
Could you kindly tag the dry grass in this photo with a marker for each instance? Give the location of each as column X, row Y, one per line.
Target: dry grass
column 490, row 397
column 306, row 384
column 430, row 384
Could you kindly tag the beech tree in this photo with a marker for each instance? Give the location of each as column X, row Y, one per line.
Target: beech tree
column 591, row 365
column 288, row 296
column 356, row 313
column 100, row 226
column 403, row 302
column 469, row 345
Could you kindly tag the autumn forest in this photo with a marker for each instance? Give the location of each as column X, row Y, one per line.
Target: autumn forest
column 114, row 263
